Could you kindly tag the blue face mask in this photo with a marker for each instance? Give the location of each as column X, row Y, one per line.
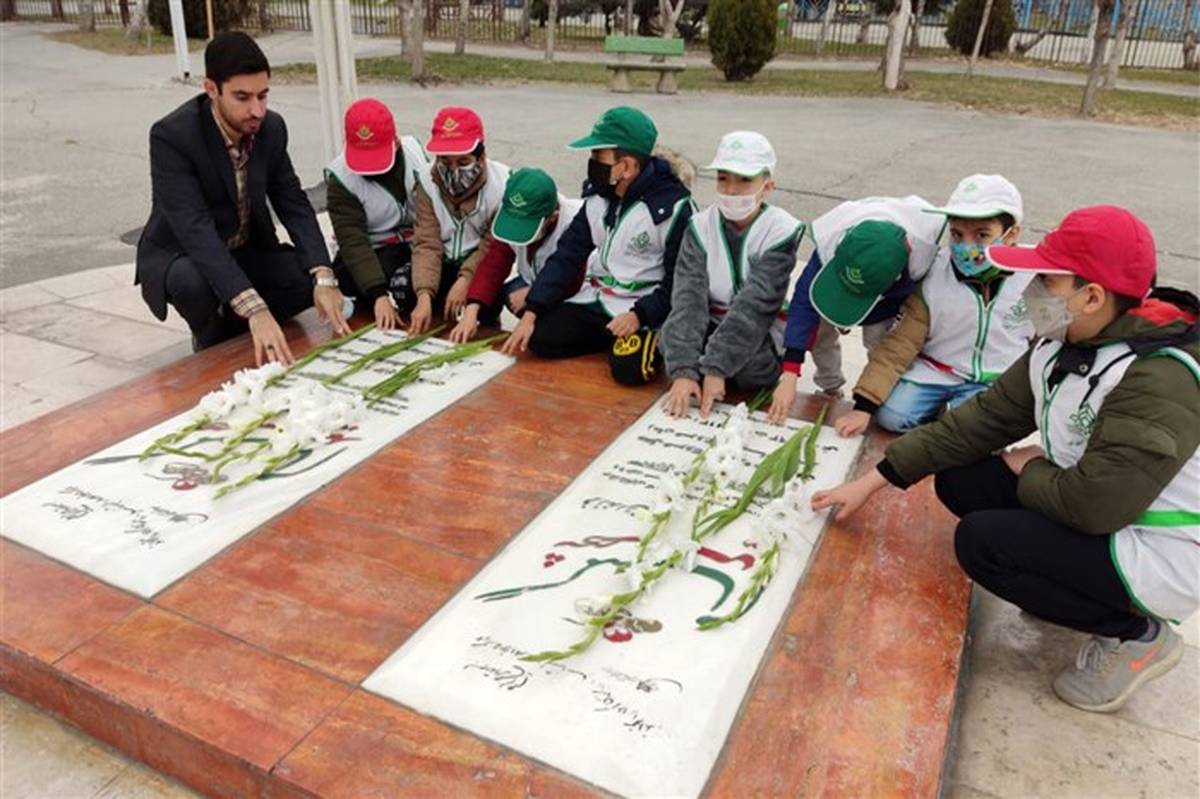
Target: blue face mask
column 970, row 259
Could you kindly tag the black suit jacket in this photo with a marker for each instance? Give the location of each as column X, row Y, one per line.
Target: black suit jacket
column 194, row 202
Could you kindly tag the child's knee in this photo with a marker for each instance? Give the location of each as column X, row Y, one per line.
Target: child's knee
column 898, row 420
column 635, row 360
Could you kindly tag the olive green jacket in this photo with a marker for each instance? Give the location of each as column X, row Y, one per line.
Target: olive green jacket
column 1147, row 429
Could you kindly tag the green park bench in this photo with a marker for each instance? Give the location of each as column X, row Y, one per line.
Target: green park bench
column 659, row 51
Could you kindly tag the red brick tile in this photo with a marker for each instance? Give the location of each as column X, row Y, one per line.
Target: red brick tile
column 323, row 590
column 47, row 609
column 396, row 752
column 204, row 684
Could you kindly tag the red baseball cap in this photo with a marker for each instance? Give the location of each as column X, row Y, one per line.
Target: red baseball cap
column 1102, row 244
column 370, row 137
column 456, row 131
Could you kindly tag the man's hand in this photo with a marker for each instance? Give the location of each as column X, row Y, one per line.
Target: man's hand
column 328, row 301
column 518, row 342
column 1019, row 457
column 386, row 317
column 850, row 496
column 714, row 391
column 468, row 323
column 456, row 298
column 422, row 315
column 852, row 424
column 679, row 399
column 516, row 300
column 269, row 342
column 625, row 324
column 784, row 396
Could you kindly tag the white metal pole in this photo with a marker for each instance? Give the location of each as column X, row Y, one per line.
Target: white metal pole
column 326, row 76
column 179, row 34
column 347, row 72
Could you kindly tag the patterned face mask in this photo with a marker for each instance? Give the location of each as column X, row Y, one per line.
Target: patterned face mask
column 460, row 178
column 1050, row 315
column 970, row 259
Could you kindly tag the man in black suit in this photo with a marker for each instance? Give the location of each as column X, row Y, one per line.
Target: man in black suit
column 210, row 247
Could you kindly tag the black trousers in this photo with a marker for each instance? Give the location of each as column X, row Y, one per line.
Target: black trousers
column 1045, row 568
column 277, row 274
column 572, row 329
column 396, row 260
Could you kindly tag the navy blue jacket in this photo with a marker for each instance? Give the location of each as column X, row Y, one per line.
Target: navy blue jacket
column 560, row 279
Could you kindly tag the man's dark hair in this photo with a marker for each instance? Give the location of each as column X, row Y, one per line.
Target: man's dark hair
column 1123, row 302
column 642, row 160
column 233, row 53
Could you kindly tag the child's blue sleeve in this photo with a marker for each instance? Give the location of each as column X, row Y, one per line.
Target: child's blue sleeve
column 803, row 319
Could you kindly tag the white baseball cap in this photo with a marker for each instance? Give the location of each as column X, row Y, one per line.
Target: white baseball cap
column 744, row 153
column 981, row 197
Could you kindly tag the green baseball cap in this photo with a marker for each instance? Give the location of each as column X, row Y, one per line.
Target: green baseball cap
column 867, row 263
column 530, row 196
column 624, row 128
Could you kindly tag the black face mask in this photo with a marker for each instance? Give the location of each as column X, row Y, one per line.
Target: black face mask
column 599, row 174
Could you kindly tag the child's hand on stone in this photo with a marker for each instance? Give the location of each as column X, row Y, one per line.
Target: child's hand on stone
column 852, row 424
column 713, row 391
column 785, row 395
column 679, row 399
column 468, row 323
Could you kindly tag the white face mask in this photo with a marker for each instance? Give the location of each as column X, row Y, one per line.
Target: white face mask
column 736, row 207
column 1048, row 313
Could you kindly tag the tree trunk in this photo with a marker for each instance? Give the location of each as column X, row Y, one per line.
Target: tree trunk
column 669, row 15
column 1189, row 37
column 1125, row 18
column 914, row 43
column 87, row 16
column 826, row 22
column 416, row 39
column 628, row 17
column 551, row 28
column 526, row 20
column 983, row 23
column 464, row 19
column 893, row 58
column 1026, row 46
column 8, row 10
column 1096, row 70
column 56, row 10
column 264, row 17
column 137, row 24
column 123, row 7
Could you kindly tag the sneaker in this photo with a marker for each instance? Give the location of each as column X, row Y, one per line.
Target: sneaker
column 1107, row 671
column 832, row 393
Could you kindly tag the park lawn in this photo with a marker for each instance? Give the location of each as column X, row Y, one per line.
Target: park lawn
column 982, row 93
column 113, row 41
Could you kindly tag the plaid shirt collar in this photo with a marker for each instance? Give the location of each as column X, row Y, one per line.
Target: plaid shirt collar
column 239, row 152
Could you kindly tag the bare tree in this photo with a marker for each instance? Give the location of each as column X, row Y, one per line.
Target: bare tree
column 526, row 20
column 1125, row 18
column 8, row 10
column 551, row 28
column 264, row 16
column 56, row 9
column 123, row 7
column 137, row 24
column 893, row 56
column 464, row 19
column 826, row 22
column 628, row 17
column 914, row 43
column 416, row 37
column 983, row 23
column 1056, row 23
column 87, row 16
column 669, row 14
column 1103, row 9
column 1189, row 37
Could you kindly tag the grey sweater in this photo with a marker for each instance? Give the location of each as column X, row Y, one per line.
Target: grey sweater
column 689, row 346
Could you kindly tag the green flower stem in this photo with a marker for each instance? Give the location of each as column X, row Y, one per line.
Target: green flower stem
column 616, row 604
column 384, row 352
column 233, row 457
column 318, row 350
column 778, row 467
column 172, row 438
column 271, row 465
column 762, row 575
column 764, row 396
column 810, row 445
column 409, row 373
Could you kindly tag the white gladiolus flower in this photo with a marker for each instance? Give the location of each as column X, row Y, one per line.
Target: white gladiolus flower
column 216, row 404
column 798, row 499
column 740, row 412
column 668, row 494
column 690, row 549
column 282, row 443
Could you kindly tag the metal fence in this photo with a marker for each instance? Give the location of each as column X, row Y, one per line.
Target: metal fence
column 855, row 28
